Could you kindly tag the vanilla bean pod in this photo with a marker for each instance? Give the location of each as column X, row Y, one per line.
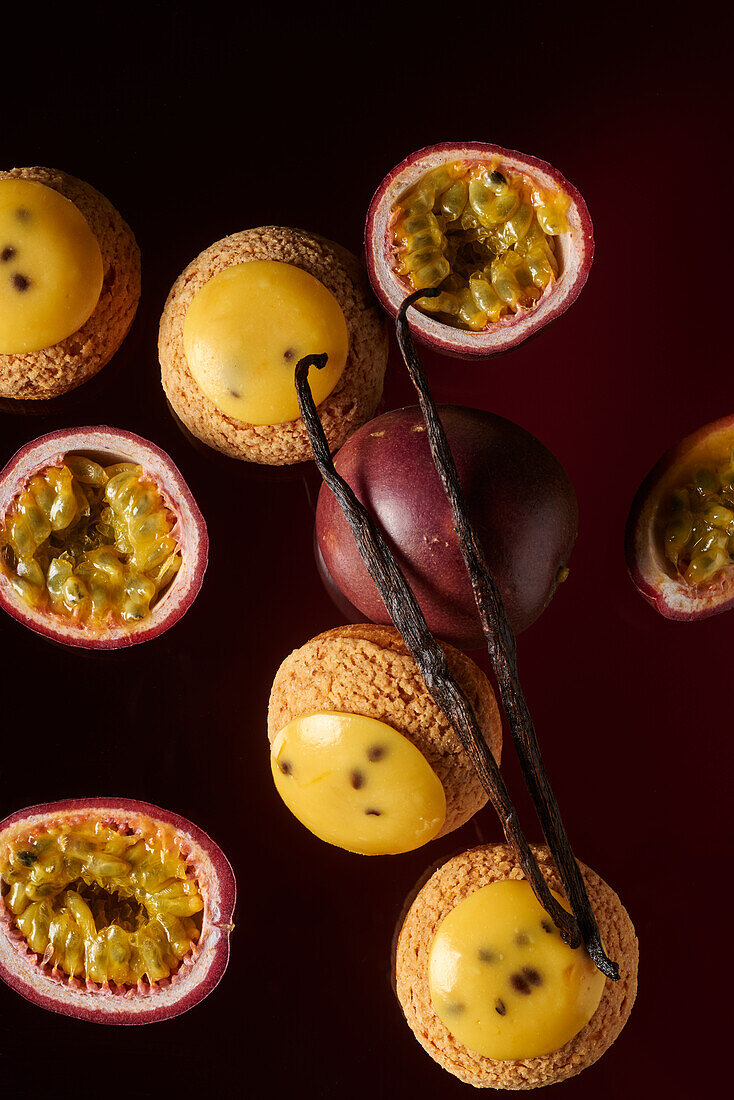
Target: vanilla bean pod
column 407, row 616
column 502, row 651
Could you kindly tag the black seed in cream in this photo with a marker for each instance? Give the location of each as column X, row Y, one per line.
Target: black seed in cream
column 22, row 214
column 486, row 955
column 521, row 939
column 455, row 1008
column 289, row 354
column 520, row 983
column 373, row 813
column 547, row 926
column 532, row 975
column 375, row 753
column 357, row 779
column 500, row 1007
column 7, row 253
column 20, row 282
column 285, row 766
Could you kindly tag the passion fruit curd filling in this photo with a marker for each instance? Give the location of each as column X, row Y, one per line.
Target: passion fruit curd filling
column 102, row 905
column 357, row 783
column 503, row 981
column 90, row 543
column 483, row 236
column 698, row 534
column 50, row 267
column 246, row 329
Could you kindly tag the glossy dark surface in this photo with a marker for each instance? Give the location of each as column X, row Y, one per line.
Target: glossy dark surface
column 196, row 127
column 517, row 494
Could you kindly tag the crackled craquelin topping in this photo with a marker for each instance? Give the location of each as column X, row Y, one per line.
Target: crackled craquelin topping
column 698, row 534
column 102, row 904
column 459, row 879
column 89, row 542
column 481, row 235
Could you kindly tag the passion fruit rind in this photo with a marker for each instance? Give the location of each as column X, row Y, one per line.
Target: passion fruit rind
column 655, row 573
column 574, row 248
column 36, row 978
column 188, row 531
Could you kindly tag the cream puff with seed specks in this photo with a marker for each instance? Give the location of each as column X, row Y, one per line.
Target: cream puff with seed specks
column 479, row 964
column 69, row 282
column 237, row 321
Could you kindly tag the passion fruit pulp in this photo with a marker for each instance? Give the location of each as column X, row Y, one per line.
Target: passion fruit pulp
column 505, row 237
column 519, row 497
column 101, row 542
column 112, row 910
column 680, row 531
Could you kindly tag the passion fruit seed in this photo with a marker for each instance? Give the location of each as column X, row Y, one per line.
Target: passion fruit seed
column 484, row 237
column 698, row 535
column 90, row 542
column 102, row 905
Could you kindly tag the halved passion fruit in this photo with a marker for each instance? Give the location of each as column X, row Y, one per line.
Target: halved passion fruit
column 102, row 544
column 111, row 910
column 680, row 532
column 506, row 239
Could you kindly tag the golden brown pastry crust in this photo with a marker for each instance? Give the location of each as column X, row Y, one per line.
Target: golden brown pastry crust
column 66, row 365
column 357, row 394
column 366, row 669
column 455, row 881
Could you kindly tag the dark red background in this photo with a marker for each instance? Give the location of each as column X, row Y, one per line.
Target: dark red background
column 197, row 125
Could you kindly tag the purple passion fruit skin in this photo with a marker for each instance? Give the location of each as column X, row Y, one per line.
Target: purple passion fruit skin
column 86, row 901
column 351, row 613
column 679, row 541
column 559, row 265
column 518, row 494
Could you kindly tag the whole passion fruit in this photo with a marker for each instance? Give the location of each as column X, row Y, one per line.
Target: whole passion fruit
column 680, row 531
column 113, row 911
column 505, row 237
column 518, row 495
column 102, row 544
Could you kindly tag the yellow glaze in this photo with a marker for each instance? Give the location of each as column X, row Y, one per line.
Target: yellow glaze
column 357, row 783
column 503, row 981
column 246, row 329
column 102, row 905
column 50, row 267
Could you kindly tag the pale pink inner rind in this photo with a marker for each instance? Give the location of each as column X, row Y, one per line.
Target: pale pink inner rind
column 574, row 250
column 189, row 530
column 650, row 570
column 198, row 973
